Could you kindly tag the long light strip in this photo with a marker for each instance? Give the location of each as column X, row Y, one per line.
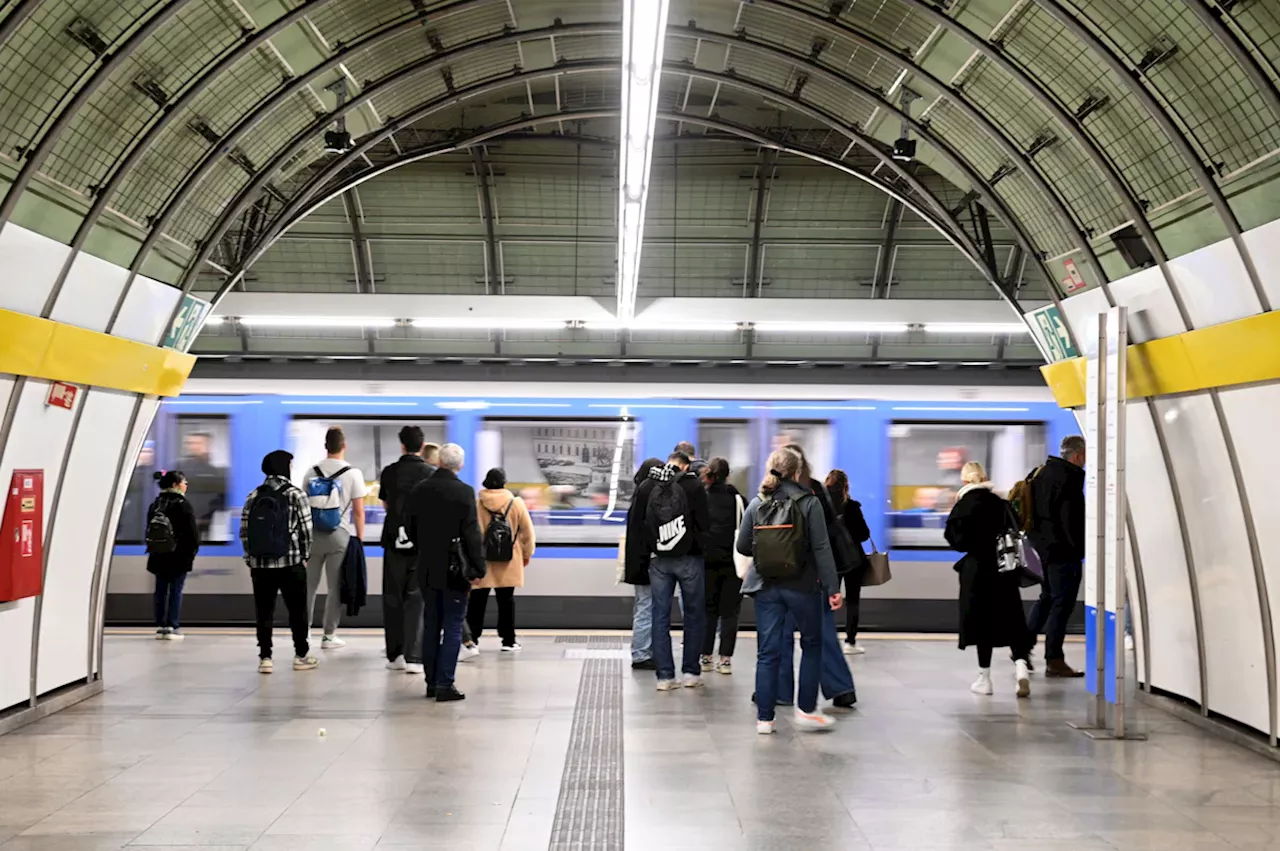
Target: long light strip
column 644, row 28
column 317, row 322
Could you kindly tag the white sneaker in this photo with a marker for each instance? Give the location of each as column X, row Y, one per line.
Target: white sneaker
column 512, row 648
column 691, row 681
column 413, row 667
column 305, row 663
column 265, row 666
column 396, row 664
column 854, row 649
column 815, row 720
column 162, row 633
column 668, row 685
column 174, row 635
column 1128, row 643
column 466, row 654
column 765, row 728
column 982, row 685
column 1023, row 676
column 331, row 642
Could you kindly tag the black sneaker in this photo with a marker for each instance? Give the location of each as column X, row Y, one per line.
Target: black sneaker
column 431, row 692
column 845, row 701
column 447, row 694
column 644, row 665
column 778, row 702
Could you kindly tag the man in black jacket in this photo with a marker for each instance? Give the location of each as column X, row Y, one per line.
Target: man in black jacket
column 1057, row 532
column 677, row 544
column 441, row 515
column 401, row 596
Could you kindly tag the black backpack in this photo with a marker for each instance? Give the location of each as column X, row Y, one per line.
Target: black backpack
column 500, row 538
column 780, row 541
column 161, row 539
column 268, row 532
column 666, row 518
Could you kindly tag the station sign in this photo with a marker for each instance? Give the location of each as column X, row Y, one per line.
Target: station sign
column 1052, row 331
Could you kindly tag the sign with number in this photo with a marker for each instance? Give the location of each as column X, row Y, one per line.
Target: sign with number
column 185, row 325
column 1053, row 333
column 62, row 395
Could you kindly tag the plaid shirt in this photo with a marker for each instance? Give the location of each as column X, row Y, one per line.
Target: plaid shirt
column 300, row 532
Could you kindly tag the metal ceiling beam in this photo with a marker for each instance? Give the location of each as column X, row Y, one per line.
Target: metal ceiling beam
column 10, row 23
column 359, row 245
column 493, row 275
column 755, row 259
column 884, row 262
column 1212, row 18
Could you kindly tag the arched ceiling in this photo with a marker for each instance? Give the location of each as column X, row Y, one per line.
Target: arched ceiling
column 180, row 137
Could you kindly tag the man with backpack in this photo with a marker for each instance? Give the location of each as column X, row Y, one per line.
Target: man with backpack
column 401, row 596
column 669, row 512
column 696, row 464
column 275, row 531
column 333, row 489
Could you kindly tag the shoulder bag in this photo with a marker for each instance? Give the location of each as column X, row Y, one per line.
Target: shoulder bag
column 877, row 572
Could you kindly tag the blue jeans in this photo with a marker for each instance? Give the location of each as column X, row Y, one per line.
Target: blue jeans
column 774, row 608
column 835, row 676
column 1053, row 609
column 442, row 616
column 168, row 600
column 642, row 625
column 665, row 572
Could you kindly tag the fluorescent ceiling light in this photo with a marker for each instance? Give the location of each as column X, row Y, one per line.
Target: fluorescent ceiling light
column 317, row 322
column 215, row 320
column 975, row 328
column 644, row 27
column 480, row 324
column 835, row 327
column 659, row 325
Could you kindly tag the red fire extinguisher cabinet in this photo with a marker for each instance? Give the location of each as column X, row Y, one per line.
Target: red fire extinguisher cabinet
column 22, row 537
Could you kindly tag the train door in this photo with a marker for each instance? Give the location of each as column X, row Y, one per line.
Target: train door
column 815, row 437
column 731, row 440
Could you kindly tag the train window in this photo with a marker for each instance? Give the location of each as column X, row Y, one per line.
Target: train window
column 372, row 444
column 576, row 477
column 815, row 438
column 200, row 447
column 730, row 440
column 925, row 464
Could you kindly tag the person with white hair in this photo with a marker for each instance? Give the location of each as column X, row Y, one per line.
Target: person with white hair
column 441, row 520
column 990, row 600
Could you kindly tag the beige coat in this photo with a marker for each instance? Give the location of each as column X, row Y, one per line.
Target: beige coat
column 507, row 574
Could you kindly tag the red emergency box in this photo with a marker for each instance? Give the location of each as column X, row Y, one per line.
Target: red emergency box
column 22, row 537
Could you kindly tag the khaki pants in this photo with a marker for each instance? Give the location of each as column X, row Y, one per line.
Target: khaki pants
column 327, row 551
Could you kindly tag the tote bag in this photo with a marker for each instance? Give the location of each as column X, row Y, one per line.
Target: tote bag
column 877, row 572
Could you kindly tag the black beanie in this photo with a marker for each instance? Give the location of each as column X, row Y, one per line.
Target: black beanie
column 495, row 479
column 277, row 463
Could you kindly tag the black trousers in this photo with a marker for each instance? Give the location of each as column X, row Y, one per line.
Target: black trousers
column 1053, row 609
column 724, row 602
column 852, row 603
column 291, row 584
column 506, row 613
column 401, row 606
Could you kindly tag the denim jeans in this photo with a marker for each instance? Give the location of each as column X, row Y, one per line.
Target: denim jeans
column 168, row 600
column 835, row 676
column 642, row 625
column 1053, row 609
column 774, row 608
column 443, row 614
column 665, row 573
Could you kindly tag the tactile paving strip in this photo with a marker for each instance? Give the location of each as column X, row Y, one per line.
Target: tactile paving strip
column 590, row 812
column 597, row 640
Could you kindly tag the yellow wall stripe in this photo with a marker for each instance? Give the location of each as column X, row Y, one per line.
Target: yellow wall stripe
column 1244, row 351
column 55, row 351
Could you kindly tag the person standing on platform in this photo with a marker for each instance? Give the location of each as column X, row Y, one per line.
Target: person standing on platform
column 507, row 533
column 724, row 589
column 635, row 572
column 696, row 464
column 173, row 539
column 401, row 596
column 275, row 531
column 849, row 513
column 336, row 491
column 443, row 524
column 1057, row 532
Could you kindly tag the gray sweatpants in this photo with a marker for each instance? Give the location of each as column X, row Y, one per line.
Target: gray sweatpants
column 327, row 552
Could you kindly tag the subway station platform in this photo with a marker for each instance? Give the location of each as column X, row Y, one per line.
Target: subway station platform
column 563, row 746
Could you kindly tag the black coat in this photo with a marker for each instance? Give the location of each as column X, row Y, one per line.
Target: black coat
column 1057, row 498
column 397, row 481
column 991, row 611
column 722, row 534
column 440, row 509
column 639, row 537
column 185, row 531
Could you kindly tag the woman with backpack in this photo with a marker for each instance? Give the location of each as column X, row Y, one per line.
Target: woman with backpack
column 792, row 574
column 724, row 588
column 506, row 533
column 849, row 512
column 173, row 539
column 990, row 599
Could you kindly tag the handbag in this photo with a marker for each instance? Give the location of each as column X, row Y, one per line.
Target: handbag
column 877, row 572
column 741, row 563
column 1016, row 554
column 460, row 566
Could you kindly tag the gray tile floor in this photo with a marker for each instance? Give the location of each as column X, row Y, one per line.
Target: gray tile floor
column 189, row 746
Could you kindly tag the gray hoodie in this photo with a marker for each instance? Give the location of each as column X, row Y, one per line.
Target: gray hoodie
column 820, row 566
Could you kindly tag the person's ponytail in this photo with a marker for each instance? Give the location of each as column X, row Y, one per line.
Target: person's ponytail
column 784, row 463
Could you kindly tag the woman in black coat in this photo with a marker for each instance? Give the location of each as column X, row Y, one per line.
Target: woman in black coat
column 850, row 512
column 724, row 588
column 991, row 612
column 635, row 569
column 171, row 550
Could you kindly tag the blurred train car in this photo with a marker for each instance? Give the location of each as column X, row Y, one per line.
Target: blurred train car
column 570, row 450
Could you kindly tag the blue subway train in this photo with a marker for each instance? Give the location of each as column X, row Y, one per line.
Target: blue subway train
column 570, row 451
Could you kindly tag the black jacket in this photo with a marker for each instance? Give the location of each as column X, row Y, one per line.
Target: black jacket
column 697, row 520
column 1057, row 498
column 354, row 590
column 850, row 516
column 439, row 510
column 722, row 527
column 397, row 481
column 990, row 602
column 185, row 532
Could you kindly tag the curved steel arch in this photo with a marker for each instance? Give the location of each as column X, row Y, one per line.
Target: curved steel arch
column 1069, row 224
column 1212, row 17
column 251, row 119
column 9, row 23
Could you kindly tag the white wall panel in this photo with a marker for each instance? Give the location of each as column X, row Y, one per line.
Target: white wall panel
column 1223, row 563
column 82, row 510
column 1214, row 284
column 37, row 441
column 1082, row 315
column 1175, row 663
column 89, row 295
column 31, row 264
column 144, row 316
column 1152, row 311
column 1252, row 414
column 1264, row 247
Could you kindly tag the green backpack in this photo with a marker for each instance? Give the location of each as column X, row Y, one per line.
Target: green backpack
column 780, row 541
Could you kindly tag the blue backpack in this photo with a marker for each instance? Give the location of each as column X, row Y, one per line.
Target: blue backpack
column 324, row 493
